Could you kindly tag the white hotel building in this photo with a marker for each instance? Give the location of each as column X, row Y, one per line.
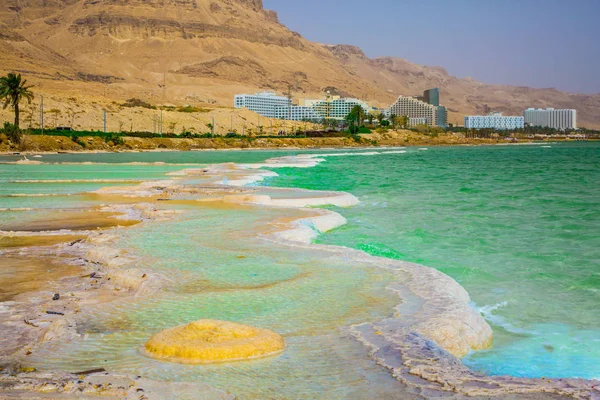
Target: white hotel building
column 265, row 103
column 334, row 107
column 494, row 121
column 414, row 109
column 297, row 113
column 551, row 118
column 270, row 105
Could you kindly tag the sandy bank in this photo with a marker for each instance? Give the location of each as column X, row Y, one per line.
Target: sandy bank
column 40, row 144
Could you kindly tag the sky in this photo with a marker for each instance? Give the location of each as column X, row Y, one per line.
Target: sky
column 536, row 43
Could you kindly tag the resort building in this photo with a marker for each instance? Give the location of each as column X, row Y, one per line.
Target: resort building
column 414, row 108
column 270, row 105
column 297, row 113
column 494, row 121
column 442, row 116
column 551, row 118
column 412, row 122
column 265, row 103
column 335, row 107
column 432, row 96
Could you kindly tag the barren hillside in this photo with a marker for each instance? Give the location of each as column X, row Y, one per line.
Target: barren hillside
column 202, row 52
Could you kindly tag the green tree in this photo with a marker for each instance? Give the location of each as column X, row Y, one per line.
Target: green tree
column 356, row 116
column 380, row 117
column 370, row 118
column 403, row 121
column 12, row 91
column 392, row 120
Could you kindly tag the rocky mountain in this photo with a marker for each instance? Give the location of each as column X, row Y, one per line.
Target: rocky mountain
column 205, row 51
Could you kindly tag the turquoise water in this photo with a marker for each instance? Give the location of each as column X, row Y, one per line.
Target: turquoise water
column 517, row 226
column 218, row 268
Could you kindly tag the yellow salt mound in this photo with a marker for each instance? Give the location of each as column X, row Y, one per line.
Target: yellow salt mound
column 209, row 341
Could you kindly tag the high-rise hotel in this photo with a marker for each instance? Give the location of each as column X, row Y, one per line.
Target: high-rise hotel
column 551, row 118
column 419, row 107
column 415, row 108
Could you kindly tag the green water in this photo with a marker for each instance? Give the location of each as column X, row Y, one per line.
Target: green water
column 218, row 268
column 517, row 226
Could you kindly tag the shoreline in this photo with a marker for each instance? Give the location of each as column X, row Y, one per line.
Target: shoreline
column 407, row 351
column 41, row 144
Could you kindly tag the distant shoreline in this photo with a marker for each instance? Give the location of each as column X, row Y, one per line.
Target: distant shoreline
column 42, row 144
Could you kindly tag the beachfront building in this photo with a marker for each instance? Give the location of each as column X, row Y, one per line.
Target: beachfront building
column 412, row 122
column 442, row 116
column 297, row 113
column 264, row 103
column 432, row 96
column 335, row 107
column 551, row 118
column 414, row 108
column 270, row 105
column 494, row 121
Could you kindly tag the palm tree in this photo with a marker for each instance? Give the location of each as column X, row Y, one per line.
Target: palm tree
column 370, row 118
column 12, row 91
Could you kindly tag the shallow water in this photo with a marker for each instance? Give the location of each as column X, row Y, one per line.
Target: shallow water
column 25, row 274
column 219, row 269
column 517, row 226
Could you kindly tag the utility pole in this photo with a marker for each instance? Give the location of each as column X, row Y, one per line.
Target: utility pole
column 104, row 121
column 160, row 131
column 42, row 114
column 212, row 128
column 164, row 89
column 231, row 128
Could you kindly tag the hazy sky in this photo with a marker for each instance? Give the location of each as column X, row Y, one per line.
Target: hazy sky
column 537, row 43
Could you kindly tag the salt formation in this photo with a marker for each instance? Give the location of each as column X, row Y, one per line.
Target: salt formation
column 210, row 341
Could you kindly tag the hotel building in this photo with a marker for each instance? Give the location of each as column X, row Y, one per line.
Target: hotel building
column 414, row 108
column 412, row 122
column 432, row 96
column 297, row 113
column 265, row 103
column 551, row 118
column 272, row 106
column 494, row 121
column 334, row 107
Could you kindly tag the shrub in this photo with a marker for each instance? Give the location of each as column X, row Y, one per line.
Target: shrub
column 12, row 132
column 115, row 139
column 357, row 138
column 78, row 140
column 191, row 109
column 133, row 102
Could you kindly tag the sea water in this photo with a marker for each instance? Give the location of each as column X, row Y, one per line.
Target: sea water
column 517, row 226
column 218, row 268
